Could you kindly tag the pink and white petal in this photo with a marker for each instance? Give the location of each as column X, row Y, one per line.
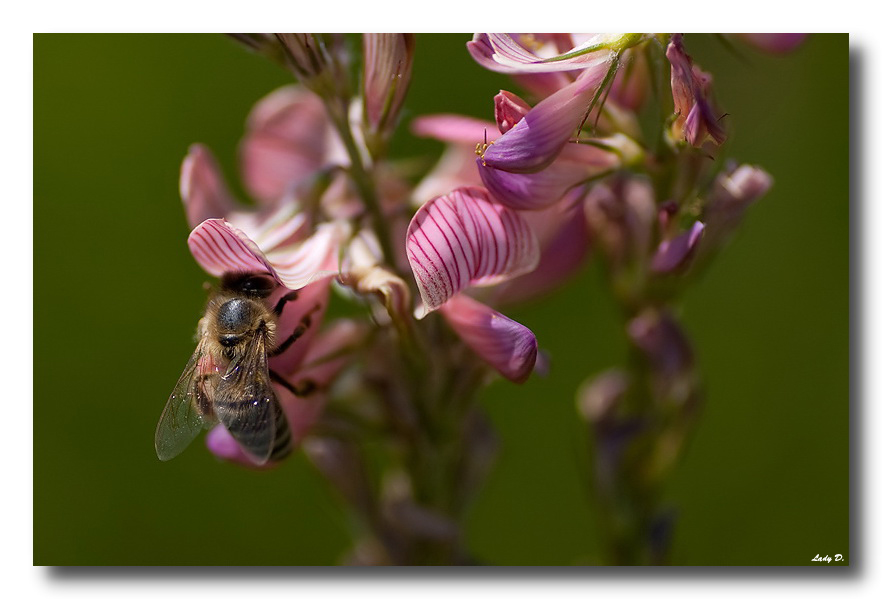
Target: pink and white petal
column 502, row 53
column 219, row 248
column 464, row 238
column 282, row 226
column 503, row 343
column 536, row 140
column 454, row 128
column 203, row 190
column 286, row 140
column 315, row 258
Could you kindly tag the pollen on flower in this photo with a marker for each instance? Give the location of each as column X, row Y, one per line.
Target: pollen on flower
column 529, row 41
column 481, row 147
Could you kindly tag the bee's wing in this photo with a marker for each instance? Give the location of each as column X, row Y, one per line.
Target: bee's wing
column 185, row 412
column 245, row 403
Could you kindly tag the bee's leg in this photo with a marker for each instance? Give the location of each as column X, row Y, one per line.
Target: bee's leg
column 304, row 324
column 308, row 386
column 280, row 305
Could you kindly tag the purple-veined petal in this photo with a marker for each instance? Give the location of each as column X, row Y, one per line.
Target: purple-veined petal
column 501, row 52
column 536, row 140
column 284, row 225
column 203, row 190
column 505, row 344
column 287, row 139
column 463, row 238
column 316, row 257
column 535, row 191
column 673, row 253
column 219, row 247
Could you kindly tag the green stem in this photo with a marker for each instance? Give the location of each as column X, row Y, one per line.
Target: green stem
column 364, row 184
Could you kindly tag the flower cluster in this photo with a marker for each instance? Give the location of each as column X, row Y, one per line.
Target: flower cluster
column 510, row 211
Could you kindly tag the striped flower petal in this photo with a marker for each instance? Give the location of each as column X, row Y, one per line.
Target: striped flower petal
column 536, row 140
column 219, row 247
column 506, row 345
column 203, row 190
column 462, row 239
column 503, row 53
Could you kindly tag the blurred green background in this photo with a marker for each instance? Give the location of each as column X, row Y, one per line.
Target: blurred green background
column 117, row 297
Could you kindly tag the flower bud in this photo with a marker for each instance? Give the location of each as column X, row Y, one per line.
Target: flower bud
column 696, row 119
column 597, row 397
column 317, row 60
column 732, row 193
column 388, row 60
column 674, row 254
column 509, row 110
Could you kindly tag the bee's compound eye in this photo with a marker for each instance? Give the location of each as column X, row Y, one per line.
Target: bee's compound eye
column 259, row 286
column 235, row 315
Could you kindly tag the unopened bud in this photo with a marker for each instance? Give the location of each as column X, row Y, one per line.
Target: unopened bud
column 388, row 60
column 510, row 109
column 597, row 397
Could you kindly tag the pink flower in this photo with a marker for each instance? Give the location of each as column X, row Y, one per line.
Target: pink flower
column 464, row 239
column 536, row 140
column 288, row 138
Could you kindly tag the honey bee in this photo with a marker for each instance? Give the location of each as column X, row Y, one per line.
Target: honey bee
column 228, row 379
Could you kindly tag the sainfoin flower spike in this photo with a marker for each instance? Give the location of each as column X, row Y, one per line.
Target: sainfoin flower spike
column 594, row 156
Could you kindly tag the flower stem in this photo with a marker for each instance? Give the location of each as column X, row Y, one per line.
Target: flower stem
column 364, row 182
